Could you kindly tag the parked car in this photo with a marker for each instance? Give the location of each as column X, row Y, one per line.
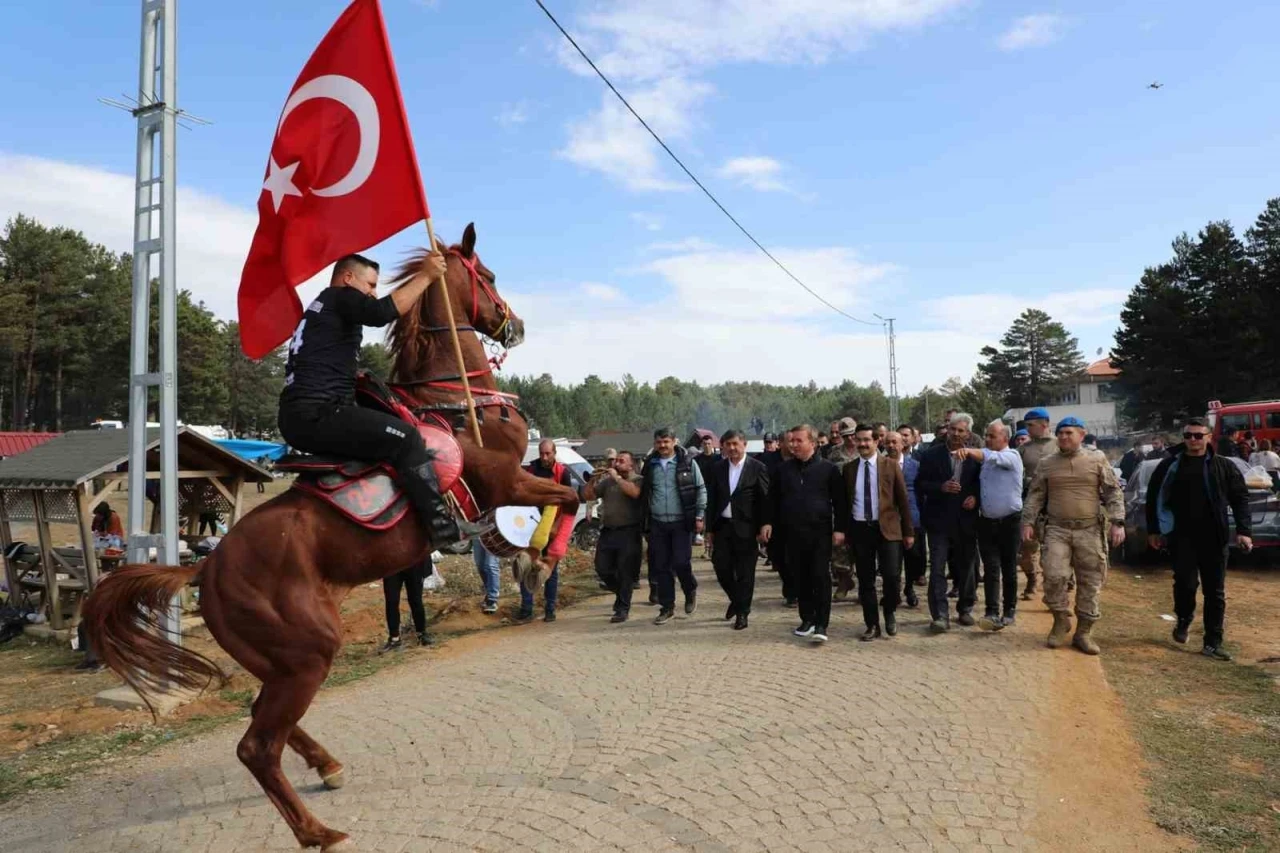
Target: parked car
column 1263, row 503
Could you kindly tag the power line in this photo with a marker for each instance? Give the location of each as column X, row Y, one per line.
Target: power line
column 693, row 177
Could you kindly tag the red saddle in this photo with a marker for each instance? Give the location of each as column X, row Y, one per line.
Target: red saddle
column 366, row 492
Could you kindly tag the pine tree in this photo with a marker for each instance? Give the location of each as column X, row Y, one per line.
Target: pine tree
column 1036, row 361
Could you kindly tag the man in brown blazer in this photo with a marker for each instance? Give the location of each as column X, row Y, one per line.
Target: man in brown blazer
column 878, row 528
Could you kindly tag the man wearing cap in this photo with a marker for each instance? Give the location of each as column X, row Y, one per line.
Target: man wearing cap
column 840, row 456
column 1037, row 445
column 1020, row 438
column 1079, row 496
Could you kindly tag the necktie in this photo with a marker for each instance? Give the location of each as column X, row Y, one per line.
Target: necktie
column 866, row 489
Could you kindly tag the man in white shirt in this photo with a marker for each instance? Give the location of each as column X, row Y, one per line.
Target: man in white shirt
column 738, row 506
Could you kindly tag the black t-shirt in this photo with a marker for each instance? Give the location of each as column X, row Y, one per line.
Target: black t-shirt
column 1189, row 496
column 326, row 345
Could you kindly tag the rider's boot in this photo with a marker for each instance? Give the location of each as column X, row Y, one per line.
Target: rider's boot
column 423, row 489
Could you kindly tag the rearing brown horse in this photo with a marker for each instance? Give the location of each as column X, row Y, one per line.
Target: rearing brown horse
column 270, row 593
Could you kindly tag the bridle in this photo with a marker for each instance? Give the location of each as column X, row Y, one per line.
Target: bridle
column 501, row 337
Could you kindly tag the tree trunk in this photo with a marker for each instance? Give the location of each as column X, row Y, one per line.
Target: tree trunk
column 21, row 421
column 57, row 396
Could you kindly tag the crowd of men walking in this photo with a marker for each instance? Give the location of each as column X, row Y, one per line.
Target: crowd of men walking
column 894, row 514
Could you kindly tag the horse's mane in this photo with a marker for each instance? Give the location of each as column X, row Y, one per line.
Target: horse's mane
column 407, row 344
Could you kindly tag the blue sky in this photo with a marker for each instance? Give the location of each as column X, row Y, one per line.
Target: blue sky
column 948, row 163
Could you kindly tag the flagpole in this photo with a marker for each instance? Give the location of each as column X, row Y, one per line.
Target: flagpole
column 457, row 347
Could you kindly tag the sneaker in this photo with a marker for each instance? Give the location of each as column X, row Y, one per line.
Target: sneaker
column 550, row 616
column 618, row 617
column 691, row 602
column 966, row 619
column 392, row 645
column 1180, row 631
column 1008, row 620
column 805, row 630
column 489, row 607
column 818, row 637
column 913, row 600
column 991, row 622
column 424, row 639
column 524, row 616
column 1216, row 652
column 939, row 626
column 653, row 597
column 663, row 617
column 87, row 665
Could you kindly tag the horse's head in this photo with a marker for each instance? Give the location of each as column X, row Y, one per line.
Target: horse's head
column 472, row 297
column 472, row 286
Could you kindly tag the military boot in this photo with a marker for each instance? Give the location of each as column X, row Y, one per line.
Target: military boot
column 1082, row 640
column 1061, row 628
column 423, row 489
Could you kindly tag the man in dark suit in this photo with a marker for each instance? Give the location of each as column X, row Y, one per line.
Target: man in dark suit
column 737, row 507
column 773, row 458
column 878, row 527
column 947, row 488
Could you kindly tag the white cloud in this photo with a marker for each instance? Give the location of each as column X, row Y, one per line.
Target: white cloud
column 513, row 114
column 1033, row 31
column 611, row 141
column 759, row 173
column 647, row 221
column 991, row 314
column 602, row 292
column 213, row 235
column 658, row 48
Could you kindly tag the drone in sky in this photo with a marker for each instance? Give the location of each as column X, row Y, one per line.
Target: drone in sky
column 1155, row 85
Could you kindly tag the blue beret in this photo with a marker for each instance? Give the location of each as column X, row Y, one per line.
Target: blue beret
column 1069, row 421
column 1021, row 432
column 1037, row 415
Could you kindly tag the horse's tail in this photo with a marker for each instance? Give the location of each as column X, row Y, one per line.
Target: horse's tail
column 121, row 622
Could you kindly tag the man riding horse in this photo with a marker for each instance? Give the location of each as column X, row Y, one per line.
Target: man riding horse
column 318, row 411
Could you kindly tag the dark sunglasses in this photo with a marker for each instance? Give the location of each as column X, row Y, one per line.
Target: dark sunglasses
column 1198, row 436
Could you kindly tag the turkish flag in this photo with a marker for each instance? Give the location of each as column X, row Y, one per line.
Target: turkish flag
column 341, row 176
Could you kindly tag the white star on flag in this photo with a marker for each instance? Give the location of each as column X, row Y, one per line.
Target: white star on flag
column 280, row 183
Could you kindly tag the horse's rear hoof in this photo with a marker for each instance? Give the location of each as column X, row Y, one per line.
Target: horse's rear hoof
column 333, row 782
column 342, row 845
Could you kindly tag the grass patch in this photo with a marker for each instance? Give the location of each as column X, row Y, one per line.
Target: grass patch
column 1210, row 731
column 57, row 763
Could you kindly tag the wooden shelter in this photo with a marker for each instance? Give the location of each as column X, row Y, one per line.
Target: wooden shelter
column 61, row 481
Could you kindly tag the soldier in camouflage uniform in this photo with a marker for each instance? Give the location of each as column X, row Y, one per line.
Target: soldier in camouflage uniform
column 840, row 455
column 1039, row 444
column 1079, row 494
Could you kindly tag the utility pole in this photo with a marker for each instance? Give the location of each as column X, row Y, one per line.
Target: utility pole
column 154, row 238
column 893, row 372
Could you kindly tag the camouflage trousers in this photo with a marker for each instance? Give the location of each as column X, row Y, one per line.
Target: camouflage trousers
column 1029, row 560
column 1070, row 554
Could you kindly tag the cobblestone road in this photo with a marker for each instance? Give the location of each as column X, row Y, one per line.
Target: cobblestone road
column 587, row 736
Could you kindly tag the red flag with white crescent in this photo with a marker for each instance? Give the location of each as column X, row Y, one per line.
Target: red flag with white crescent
column 341, row 175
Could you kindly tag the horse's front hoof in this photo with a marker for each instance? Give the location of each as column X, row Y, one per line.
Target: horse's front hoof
column 335, row 780
column 342, row 845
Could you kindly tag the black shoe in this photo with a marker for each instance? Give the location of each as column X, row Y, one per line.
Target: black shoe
column 524, row 616
column 805, row 630
column 87, row 665
column 635, row 584
column 653, row 598
column 392, row 645
column 790, row 602
column 691, row 602
column 664, row 616
column 913, row 600
column 619, row 616
column 1215, row 652
column 730, row 613
column 870, row 634
column 954, row 592
column 1180, row 631
column 549, row 616
column 920, row 581
column 891, row 625
column 740, row 622
column 966, row 619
